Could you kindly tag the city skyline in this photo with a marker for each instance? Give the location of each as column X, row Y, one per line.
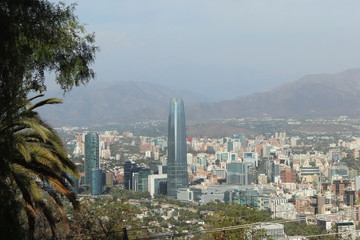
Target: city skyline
column 273, row 172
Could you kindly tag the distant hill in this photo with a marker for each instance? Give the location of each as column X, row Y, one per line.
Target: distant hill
column 104, row 103
column 311, row 96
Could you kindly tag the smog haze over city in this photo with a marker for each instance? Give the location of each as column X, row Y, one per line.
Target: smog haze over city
column 221, row 49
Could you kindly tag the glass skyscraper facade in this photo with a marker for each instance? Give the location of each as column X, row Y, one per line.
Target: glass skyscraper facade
column 237, row 173
column 96, row 181
column 143, row 179
column 177, row 160
column 91, row 155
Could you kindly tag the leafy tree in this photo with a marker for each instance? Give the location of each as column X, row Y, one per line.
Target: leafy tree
column 300, row 229
column 233, row 215
column 36, row 36
column 128, row 194
column 105, row 220
column 303, row 229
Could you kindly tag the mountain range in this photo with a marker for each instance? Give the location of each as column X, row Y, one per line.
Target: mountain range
column 105, row 103
column 311, row 96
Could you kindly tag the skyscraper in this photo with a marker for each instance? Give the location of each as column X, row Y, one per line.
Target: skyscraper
column 96, row 181
column 131, row 172
column 177, row 161
column 91, row 155
column 128, row 165
column 237, row 173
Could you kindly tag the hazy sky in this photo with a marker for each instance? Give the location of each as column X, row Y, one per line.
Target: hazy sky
column 222, row 48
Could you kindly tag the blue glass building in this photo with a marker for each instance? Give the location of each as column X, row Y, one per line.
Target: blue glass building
column 91, row 155
column 96, row 181
column 177, row 161
column 237, row 173
column 143, row 179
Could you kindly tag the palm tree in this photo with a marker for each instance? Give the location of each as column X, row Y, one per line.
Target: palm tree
column 34, row 165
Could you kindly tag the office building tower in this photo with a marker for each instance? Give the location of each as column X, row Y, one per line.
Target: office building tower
column 96, row 181
column 339, row 170
column 273, row 171
column 350, row 197
column 237, row 173
column 338, row 187
column 131, row 172
column 128, row 165
column 135, row 181
column 91, row 155
column 318, row 202
column 156, row 184
column 288, row 175
column 177, row 161
column 163, row 188
column 143, row 179
column 251, row 157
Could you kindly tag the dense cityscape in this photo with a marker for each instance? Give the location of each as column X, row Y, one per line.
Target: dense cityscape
column 207, row 120
column 306, row 176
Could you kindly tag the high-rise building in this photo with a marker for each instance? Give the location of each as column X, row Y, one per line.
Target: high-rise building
column 273, row 170
column 128, row 165
column 143, row 179
column 131, row 172
column 251, row 157
column 91, row 155
column 318, row 202
column 177, row 161
column 339, row 170
column 288, row 175
column 96, row 181
column 237, row 173
column 156, row 183
column 349, row 197
column 339, row 186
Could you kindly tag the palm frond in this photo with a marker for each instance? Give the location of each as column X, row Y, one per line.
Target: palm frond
column 44, row 156
column 35, row 97
column 22, row 147
column 33, row 124
column 60, row 186
column 44, row 102
column 26, row 183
